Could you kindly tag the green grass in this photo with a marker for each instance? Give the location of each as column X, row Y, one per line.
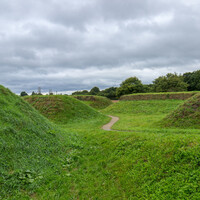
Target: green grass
column 186, row 115
column 129, row 165
column 29, row 147
column 81, row 161
column 158, row 96
column 96, row 102
column 61, row 108
column 190, row 92
column 141, row 114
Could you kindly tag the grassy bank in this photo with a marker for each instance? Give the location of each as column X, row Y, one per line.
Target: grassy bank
column 96, row 102
column 158, row 96
column 31, row 151
column 61, row 108
column 186, row 115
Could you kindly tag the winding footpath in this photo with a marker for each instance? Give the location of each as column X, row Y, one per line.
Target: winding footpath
column 107, row 127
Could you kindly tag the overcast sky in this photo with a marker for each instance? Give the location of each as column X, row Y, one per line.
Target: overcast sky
column 68, row 45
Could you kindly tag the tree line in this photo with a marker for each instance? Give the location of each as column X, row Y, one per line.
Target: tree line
column 171, row 82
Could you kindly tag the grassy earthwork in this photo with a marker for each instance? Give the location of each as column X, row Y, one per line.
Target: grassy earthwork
column 96, row 102
column 66, row 155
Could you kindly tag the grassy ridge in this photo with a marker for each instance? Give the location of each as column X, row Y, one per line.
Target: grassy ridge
column 186, row 115
column 96, row 102
column 62, row 109
column 163, row 93
column 158, row 96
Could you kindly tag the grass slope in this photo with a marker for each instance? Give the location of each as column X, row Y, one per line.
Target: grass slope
column 96, row 102
column 185, row 92
column 140, row 114
column 62, row 109
column 186, row 115
column 29, row 147
column 158, row 96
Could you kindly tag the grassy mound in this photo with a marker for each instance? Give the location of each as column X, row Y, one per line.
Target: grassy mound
column 96, row 102
column 62, row 108
column 186, row 115
column 29, row 147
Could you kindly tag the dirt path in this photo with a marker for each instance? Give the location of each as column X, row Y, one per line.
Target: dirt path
column 108, row 126
column 115, row 101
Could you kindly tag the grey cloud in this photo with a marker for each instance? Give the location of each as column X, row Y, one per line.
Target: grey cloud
column 73, row 45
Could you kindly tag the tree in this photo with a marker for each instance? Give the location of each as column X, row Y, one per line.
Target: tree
column 23, row 93
column 193, row 80
column 84, row 92
column 170, row 83
column 33, row 93
column 148, row 88
column 129, row 86
column 94, row 91
column 109, row 93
